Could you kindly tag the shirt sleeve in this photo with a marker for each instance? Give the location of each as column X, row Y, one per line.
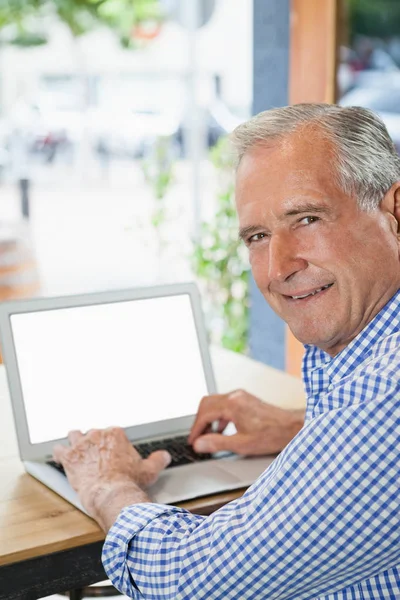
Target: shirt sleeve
column 322, row 517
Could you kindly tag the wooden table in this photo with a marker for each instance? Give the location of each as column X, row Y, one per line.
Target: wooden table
column 47, row 546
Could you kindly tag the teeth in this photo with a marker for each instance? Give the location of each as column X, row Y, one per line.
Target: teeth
column 312, row 293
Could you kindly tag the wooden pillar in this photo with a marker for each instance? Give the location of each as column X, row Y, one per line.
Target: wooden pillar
column 312, row 78
column 313, row 51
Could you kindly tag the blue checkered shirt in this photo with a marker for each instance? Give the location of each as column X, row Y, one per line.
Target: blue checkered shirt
column 322, row 522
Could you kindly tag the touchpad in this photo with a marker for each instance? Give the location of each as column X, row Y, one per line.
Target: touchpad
column 192, row 481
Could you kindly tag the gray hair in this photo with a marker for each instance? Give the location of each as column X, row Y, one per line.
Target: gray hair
column 366, row 161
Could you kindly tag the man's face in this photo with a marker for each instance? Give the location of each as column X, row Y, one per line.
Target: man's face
column 325, row 266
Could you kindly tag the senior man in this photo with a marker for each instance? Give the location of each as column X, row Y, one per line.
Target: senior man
column 318, row 198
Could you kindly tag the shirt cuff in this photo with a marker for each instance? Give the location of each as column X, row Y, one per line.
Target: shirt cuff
column 129, row 523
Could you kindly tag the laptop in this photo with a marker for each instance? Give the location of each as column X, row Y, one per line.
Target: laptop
column 135, row 358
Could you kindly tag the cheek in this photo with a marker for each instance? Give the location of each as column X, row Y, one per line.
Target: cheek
column 317, row 243
column 257, row 263
column 326, row 248
column 259, row 266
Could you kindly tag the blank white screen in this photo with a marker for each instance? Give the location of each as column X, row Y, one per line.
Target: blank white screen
column 123, row 363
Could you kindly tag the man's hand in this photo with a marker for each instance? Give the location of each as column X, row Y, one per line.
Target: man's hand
column 107, row 472
column 261, row 428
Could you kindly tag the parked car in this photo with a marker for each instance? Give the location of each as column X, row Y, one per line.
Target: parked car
column 219, row 121
column 126, row 132
column 48, row 126
column 130, row 132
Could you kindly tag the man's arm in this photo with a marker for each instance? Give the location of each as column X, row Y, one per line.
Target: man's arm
column 107, row 472
column 262, row 428
column 322, row 517
column 110, row 498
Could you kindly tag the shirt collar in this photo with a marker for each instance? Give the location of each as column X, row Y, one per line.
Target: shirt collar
column 386, row 322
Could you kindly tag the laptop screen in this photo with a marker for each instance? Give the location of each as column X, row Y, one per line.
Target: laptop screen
column 121, row 363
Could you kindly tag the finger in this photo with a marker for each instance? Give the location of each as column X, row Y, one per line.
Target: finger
column 158, row 460
column 116, row 438
column 221, row 425
column 59, row 452
column 74, row 436
column 94, row 434
column 153, row 465
column 116, row 431
column 216, row 442
column 205, row 417
column 215, row 427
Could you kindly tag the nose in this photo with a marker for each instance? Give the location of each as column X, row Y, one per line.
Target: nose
column 284, row 259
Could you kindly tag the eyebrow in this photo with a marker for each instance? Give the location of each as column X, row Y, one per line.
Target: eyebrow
column 244, row 232
column 305, row 208
column 308, row 207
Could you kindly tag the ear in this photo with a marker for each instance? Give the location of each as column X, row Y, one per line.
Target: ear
column 396, row 205
column 391, row 205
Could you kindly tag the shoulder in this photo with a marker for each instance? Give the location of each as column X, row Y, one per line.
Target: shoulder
column 382, row 362
column 387, row 347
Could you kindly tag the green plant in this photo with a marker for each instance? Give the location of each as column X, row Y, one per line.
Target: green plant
column 372, row 18
column 158, row 171
column 80, row 16
column 130, row 19
column 220, row 261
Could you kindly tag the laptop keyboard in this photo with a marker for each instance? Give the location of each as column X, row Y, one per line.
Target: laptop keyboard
column 181, row 452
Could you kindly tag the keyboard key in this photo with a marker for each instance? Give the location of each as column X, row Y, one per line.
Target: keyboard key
column 181, row 452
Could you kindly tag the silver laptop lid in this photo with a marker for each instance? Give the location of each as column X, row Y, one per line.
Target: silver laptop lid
column 133, row 358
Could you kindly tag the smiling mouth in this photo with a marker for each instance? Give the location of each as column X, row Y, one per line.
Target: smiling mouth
column 310, row 294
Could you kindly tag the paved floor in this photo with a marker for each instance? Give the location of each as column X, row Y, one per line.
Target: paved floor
column 92, row 233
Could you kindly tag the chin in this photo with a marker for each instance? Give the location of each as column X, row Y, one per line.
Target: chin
column 307, row 338
column 310, row 340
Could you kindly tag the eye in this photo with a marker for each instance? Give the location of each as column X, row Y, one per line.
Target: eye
column 256, row 237
column 308, row 220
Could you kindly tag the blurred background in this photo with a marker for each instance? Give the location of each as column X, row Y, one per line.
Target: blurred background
column 115, row 170
column 109, row 112
column 368, row 70
column 114, row 166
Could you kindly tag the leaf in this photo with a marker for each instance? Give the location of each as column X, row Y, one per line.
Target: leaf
column 82, row 15
column 220, row 264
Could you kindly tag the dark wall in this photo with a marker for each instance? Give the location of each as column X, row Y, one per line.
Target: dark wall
column 270, row 89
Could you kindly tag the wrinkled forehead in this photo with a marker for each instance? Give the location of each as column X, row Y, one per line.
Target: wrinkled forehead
column 275, row 183
column 277, row 172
